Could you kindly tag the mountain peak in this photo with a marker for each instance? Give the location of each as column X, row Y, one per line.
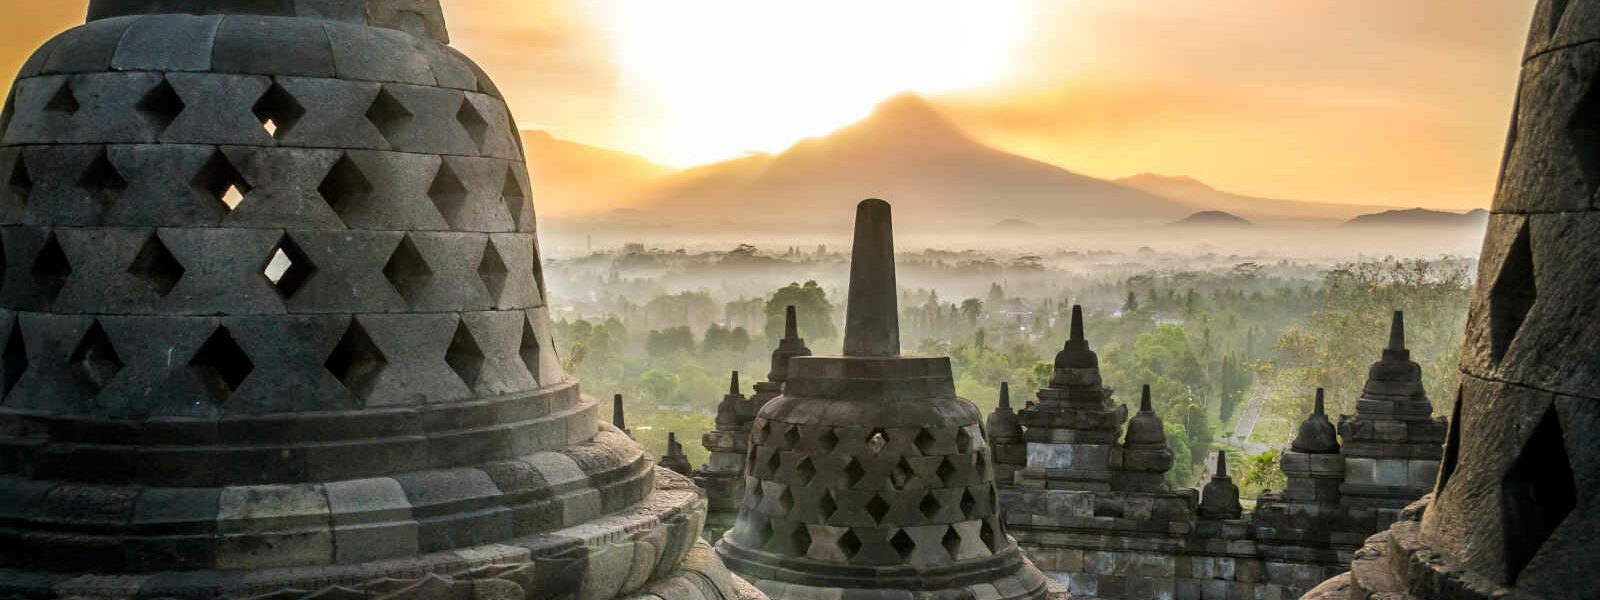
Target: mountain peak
column 1168, row 182
column 908, row 113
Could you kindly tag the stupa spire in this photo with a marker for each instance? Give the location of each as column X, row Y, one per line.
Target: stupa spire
column 1005, row 394
column 872, row 319
column 1144, row 399
column 733, row 384
column 791, row 325
column 618, row 419
column 1397, row 331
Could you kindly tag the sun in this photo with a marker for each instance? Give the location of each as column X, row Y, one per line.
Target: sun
column 713, row 79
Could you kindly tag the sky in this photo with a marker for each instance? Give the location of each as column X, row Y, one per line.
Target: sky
column 1357, row 101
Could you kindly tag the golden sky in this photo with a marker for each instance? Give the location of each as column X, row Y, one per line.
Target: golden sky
column 1360, row 101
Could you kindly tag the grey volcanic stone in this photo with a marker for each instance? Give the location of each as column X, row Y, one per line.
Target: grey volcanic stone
column 868, row 477
column 274, row 326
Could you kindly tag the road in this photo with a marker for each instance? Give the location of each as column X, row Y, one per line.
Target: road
column 1247, row 423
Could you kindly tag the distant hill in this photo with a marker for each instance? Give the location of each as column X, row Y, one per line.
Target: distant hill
column 571, row 179
column 909, row 154
column 1422, row 217
column 1014, row 225
column 1198, row 193
column 1213, row 218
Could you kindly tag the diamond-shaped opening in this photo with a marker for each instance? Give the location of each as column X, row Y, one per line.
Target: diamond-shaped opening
column 929, row 506
column 449, row 195
column 14, row 360
column 1583, row 134
column 757, row 492
column 952, row 542
column 827, row 506
column 849, row 544
column 1452, row 444
column 750, row 460
column 969, row 503
column 407, row 271
column 761, row 431
column 853, row 471
column 529, row 350
column 1537, row 493
column 219, row 181
column 221, row 365
column 829, row 440
column 20, row 182
column 805, row 471
column 877, row 507
column 492, row 271
column 903, row 544
column 877, row 440
column 989, row 536
column 924, row 442
column 963, row 441
column 786, row 500
column 356, row 361
column 900, row 476
column 791, row 436
column 774, row 461
column 388, row 115
column 1558, row 9
column 516, row 199
column 64, row 101
column 800, row 539
column 1513, row 294
column 94, row 361
column 472, row 121
column 980, row 465
column 946, row 471
column 102, row 180
column 345, row 187
column 51, row 268
column 287, row 267
column 464, row 355
column 156, row 266
column 278, row 111
column 161, row 105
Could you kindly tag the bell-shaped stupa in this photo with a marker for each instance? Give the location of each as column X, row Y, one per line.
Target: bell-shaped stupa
column 274, row 324
column 869, row 477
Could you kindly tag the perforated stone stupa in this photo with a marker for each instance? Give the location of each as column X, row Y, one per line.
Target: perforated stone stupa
column 869, row 477
column 273, row 323
column 1513, row 514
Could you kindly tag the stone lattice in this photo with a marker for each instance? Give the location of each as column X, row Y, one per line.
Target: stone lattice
column 868, row 477
column 273, row 319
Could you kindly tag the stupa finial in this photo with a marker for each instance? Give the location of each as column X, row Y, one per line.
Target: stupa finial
column 1397, row 331
column 791, row 325
column 1144, row 399
column 872, row 319
column 1005, row 394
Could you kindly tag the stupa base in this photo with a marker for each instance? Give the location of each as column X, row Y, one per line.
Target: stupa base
column 651, row 548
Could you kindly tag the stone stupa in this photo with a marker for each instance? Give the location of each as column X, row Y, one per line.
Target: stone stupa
column 869, row 477
column 274, row 324
column 1513, row 513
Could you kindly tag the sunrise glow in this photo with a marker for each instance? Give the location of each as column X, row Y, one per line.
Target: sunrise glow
column 716, row 78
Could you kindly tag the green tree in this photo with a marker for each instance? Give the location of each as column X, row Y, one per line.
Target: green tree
column 658, row 384
column 1263, row 472
column 812, row 311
